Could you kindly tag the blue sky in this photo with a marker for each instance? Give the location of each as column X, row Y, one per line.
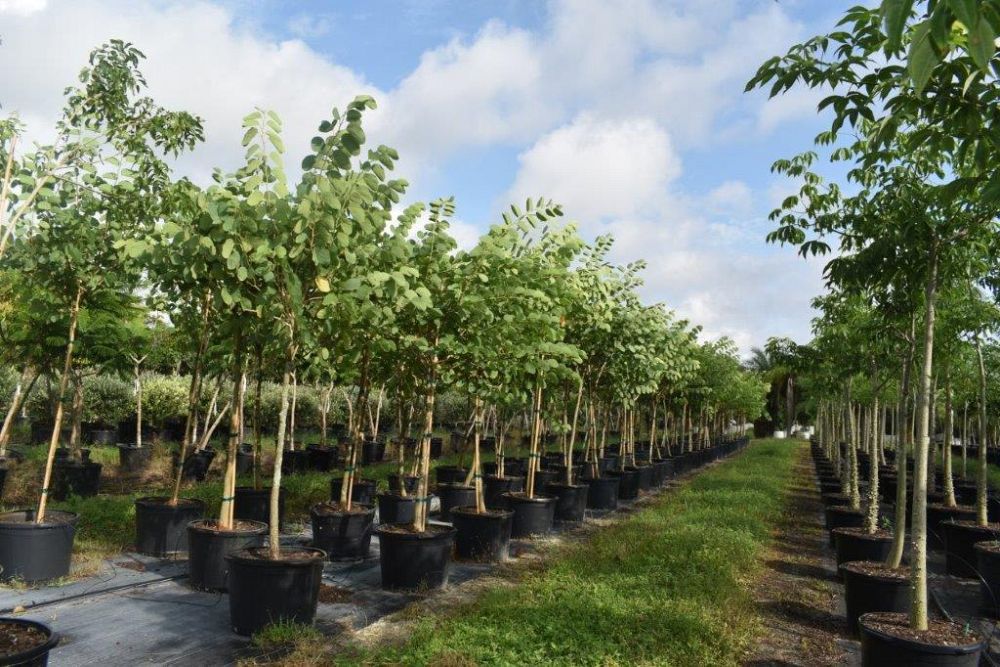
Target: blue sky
column 629, row 112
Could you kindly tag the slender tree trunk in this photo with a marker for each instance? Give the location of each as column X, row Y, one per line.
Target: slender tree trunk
column 983, row 471
column 534, row 454
column 16, row 401
column 871, row 515
column 423, row 499
column 949, row 427
column 274, row 537
column 918, row 540
column 227, row 506
column 74, row 318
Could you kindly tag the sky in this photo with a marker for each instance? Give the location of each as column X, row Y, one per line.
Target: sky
column 630, row 113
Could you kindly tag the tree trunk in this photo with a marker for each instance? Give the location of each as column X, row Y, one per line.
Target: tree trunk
column 74, row 318
column 274, row 537
column 983, row 471
column 949, row 426
column 918, row 540
column 16, row 401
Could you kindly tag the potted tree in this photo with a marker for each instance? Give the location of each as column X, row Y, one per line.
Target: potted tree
column 78, row 248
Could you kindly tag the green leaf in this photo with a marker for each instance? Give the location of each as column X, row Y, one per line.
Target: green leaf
column 923, row 58
column 981, row 43
column 894, row 14
column 227, row 248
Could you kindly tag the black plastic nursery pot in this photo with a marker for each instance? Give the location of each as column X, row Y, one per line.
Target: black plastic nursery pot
column 842, row 517
column 294, row 462
column 871, row 586
column 244, row 459
column 161, row 528
column 196, row 464
column 396, row 508
column 371, row 452
column 495, row 487
column 454, row 495
column 937, row 513
column 343, row 535
column 645, row 477
column 3, row 479
column 450, row 474
column 960, row 538
column 532, row 516
column 412, row 560
column 133, row 459
column 545, row 477
column 255, row 505
column 264, row 591
column 988, row 566
column 835, row 499
column 30, row 642
column 663, row 471
column 965, row 493
column 571, row 501
column 33, row 552
column 363, row 492
column 884, row 642
column 629, row 487
column 208, row 547
column 322, row 458
column 437, row 444
column 75, row 478
column 410, row 481
column 855, row 544
column 483, row 537
column 602, row 493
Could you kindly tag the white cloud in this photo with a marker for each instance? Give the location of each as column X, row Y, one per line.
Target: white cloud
column 732, row 198
column 602, row 167
column 22, row 7
column 198, row 59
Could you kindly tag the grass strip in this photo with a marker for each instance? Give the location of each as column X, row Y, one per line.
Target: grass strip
column 666, row 586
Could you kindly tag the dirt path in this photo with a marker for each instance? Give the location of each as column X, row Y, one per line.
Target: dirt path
column 799, row 593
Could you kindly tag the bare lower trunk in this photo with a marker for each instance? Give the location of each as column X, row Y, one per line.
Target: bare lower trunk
column 534, row 455
column 274, row 537
column 983, row 469
column 16, row 401
column 949, row 427
column 74, row 318
column 918, row 540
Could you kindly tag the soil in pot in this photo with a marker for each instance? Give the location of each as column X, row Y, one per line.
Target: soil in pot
column 960, row 538
column 532, row 516
column 483, row 537
column 602, row 493
column 255, row 505
column 495, row 487
column 161, row 528
column 887, row 639
column 264, row 591
column 396, row 508
column 988, row 566
column 33, row 552
column 871, row 586
column 454, row 495
column 362, row 494
column 571, row 501
column 343, row 534
column 133, row 459
column 208, row 546
column 25, row 643
column 415, row 560
column 857, row 544
column 938, row 512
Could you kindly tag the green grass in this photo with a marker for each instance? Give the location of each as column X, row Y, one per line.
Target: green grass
column 666, row 586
